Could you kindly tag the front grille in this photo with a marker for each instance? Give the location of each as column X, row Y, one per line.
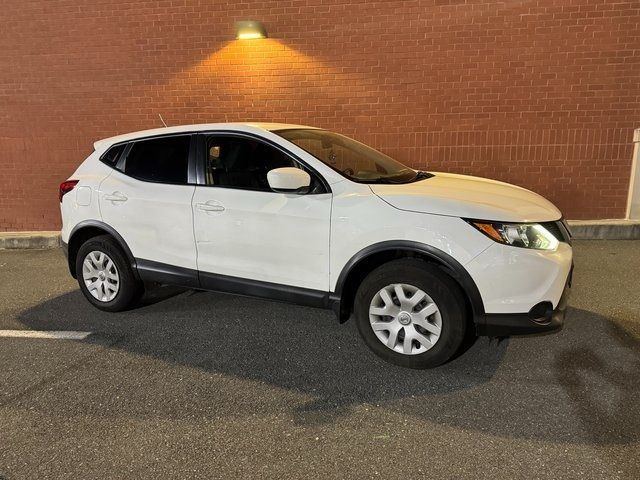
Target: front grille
column 558, row 230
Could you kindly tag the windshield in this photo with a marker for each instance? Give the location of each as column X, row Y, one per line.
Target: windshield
column 352, row 159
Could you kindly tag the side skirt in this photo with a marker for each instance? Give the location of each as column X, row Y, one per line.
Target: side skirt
column 151, row 271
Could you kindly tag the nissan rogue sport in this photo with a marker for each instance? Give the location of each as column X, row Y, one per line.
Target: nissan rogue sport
column 308, row 216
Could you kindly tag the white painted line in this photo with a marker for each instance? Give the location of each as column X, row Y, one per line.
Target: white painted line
column 54, row 334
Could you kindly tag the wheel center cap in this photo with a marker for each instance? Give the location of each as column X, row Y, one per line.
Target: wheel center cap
column 101, row 276
column 404, row 318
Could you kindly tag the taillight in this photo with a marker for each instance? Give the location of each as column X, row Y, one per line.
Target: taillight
column 66, row 187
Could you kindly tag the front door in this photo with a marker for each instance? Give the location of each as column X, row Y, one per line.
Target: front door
column 245, row 230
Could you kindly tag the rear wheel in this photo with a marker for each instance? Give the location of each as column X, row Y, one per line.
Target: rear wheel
column 105, row 275
column 411, row 313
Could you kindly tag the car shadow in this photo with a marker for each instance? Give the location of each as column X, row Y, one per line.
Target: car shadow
column 603, row 382
column 528, row 388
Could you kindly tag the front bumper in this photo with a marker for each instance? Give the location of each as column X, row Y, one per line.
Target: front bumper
column 513, row 280
column 540, row 319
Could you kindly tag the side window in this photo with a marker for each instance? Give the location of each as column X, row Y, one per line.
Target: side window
column 242, row 162
column 110, row 157
column 161, row 160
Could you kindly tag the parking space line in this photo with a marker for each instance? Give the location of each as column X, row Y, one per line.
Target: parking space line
column 51, row 334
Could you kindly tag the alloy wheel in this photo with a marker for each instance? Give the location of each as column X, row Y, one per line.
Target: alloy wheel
column 100, row 276
column 405, row 319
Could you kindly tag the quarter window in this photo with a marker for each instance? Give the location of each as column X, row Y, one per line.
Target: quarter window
column 110, row 157
column 161, row 160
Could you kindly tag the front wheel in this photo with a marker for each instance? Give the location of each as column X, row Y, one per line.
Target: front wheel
column 411, row 313
column 105, row 276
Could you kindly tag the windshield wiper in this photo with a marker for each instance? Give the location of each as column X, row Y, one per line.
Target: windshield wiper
column 385, row 180
column 421, row 175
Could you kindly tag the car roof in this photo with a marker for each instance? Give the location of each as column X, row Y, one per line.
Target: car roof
column 251, row 127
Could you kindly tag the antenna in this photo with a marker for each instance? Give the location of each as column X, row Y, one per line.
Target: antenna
column 162, row 120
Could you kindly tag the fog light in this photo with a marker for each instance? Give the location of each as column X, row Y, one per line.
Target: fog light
column 541, row 313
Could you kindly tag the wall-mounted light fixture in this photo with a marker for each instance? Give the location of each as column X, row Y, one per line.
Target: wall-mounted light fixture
column 250, row 29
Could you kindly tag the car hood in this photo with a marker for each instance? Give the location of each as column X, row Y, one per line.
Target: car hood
column 469, row 197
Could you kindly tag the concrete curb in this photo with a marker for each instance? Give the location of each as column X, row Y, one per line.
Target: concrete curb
column 605, row 229
column 29, row 240
column 581, row 230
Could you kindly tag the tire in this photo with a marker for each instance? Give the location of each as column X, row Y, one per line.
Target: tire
column 446, row 327
column 108, row 260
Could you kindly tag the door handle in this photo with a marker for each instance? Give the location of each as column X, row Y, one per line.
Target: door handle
column 210, row 207
column 116, row 197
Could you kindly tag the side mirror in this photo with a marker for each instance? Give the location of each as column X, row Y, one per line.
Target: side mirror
column 288, row 180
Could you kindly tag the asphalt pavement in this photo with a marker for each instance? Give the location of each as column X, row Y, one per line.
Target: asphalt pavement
column 206, row 385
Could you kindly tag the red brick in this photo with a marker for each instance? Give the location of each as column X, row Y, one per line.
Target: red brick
column 541, row 94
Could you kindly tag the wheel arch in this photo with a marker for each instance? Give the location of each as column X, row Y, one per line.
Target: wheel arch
column 89, row 229
column 371, row 257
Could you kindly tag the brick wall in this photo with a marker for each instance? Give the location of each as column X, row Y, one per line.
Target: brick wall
column 544, row 94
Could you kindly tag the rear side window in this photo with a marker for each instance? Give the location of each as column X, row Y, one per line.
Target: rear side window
column 111, row 156
column 160, row 160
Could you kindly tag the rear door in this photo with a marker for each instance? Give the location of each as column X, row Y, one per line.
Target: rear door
column 147, row 199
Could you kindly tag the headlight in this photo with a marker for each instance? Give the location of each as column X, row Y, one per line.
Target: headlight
column 525, row 235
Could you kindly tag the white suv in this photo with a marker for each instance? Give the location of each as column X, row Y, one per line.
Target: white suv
column 304, row 215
